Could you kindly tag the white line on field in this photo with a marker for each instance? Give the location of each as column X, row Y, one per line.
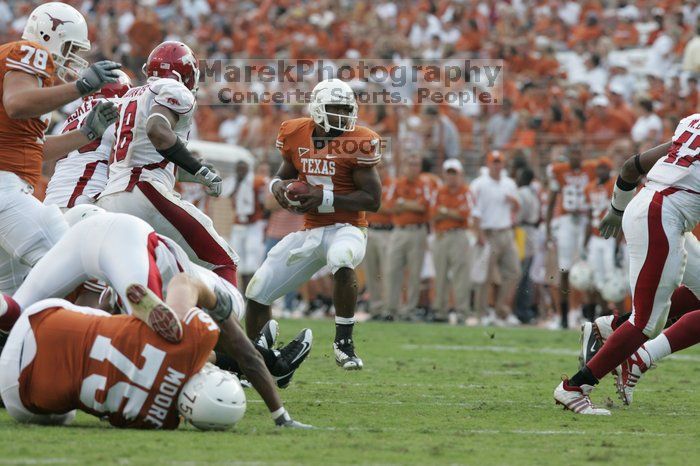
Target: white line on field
column 520, row 349
column 36, row 460
column 515, row 431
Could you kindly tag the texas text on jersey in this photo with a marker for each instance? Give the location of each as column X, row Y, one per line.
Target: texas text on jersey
column 82, row 174
column 330, row 166
column 21, row 140
column 135, row 158
column 128, row 374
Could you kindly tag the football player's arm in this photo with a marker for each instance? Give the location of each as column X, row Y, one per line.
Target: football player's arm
column 159, row 129
column 101, row 116
column 626, row 187
column 22, row 98
column 368, row 196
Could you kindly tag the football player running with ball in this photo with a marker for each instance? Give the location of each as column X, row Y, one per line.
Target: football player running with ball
column 655, row 221
column 338, row 160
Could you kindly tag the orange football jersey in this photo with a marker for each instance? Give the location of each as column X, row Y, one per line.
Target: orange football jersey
column 112, row 366
column 22, row 141
column 598, row 197
column 572, row 184
column 329, row 167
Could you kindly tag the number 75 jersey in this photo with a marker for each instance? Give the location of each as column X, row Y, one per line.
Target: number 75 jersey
column 134, row 158
column 113, row 367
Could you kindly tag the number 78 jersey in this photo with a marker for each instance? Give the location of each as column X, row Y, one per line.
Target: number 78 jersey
column 134, row 158
column 110, row 366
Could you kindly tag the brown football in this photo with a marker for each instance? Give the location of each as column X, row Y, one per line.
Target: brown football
column 294, row 189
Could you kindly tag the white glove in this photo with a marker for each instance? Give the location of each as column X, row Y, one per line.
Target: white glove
column 611, row 225
column 210, row 179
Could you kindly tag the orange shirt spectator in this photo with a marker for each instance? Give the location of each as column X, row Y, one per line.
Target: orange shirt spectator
column 416, row 190
column 626, row 35
column 448, row 199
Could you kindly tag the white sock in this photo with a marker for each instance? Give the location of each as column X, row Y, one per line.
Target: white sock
column 345, row 320
column 658, row 348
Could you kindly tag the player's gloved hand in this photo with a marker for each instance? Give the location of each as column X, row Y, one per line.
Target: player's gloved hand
column 310, row 201
column 278, row 190
column 100, row 117
column 97, row 75
column 210, row 179
column 285, row 420
column 611, row 224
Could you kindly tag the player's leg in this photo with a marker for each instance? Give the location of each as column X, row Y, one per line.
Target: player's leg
column 18, row 353
column 654, row 233
column 61, row 270
column 179, row 220
column 566, row 241
column 12, row 273
column 509, row 266
column 396, row 261
column 283, row 271
column 345, row 249
column 417, row 242
column 441, row 256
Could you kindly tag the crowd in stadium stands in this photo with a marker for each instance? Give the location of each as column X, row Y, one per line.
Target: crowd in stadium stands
column 608, row 77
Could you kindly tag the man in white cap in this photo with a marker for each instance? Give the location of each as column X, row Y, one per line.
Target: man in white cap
column 452, row 252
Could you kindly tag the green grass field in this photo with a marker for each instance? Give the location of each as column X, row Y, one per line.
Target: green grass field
column 428, row 395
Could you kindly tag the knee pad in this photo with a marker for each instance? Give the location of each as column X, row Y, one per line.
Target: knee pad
column 341, row 257
column 52, row 227
column 256, row 288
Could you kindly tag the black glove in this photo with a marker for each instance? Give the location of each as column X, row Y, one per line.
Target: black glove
column 97, row 75
column 100, row 117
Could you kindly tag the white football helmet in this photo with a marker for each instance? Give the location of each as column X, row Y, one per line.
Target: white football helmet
column 333, row 92
column 581, row 276
column 212, row 399
column 63, row 31
column 616, row 287
column 81, row 212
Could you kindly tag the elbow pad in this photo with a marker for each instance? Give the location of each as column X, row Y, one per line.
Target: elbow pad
column 181, row 156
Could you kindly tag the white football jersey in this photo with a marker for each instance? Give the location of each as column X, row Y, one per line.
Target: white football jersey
column 680, row 168
column 134, row 158
column 81, row 176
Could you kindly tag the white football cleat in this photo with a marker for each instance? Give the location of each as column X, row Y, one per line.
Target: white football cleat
column 577, row 399
column 148, row 307
column 631, row 371
column 603, row 327
column 345, row 355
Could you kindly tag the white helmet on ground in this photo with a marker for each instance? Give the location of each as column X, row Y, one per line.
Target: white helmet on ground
column 333, row 92
column 616, row 287
column 62, row 30
column 212, row 399
column 581, row 276
column 81, row 212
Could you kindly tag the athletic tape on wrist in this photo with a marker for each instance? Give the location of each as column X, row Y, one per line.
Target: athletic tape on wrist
column 272, row 183
column 327, row 202
column 622, row 194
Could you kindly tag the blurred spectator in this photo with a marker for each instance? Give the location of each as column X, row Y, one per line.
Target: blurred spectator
column 495, row 208
column 443, row 138
column 231, row 129
column 409, row 202
column 451, row 249
column 247, row 232
column 648, row 128
column 501, row 126
column 691, row 54
column 378, row 242
column 529, row 216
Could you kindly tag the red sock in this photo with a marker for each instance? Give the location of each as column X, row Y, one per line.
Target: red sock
column 619, row 346
column 684, row 333
column 8, row 319
column 682, row 301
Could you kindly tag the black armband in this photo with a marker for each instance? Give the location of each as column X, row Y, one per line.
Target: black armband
column 638, row 164
column 625, row 185
column 181, row 156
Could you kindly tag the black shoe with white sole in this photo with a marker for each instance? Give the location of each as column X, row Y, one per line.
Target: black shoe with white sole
column 291, row 357
column 268, row 335
column 345, row 355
